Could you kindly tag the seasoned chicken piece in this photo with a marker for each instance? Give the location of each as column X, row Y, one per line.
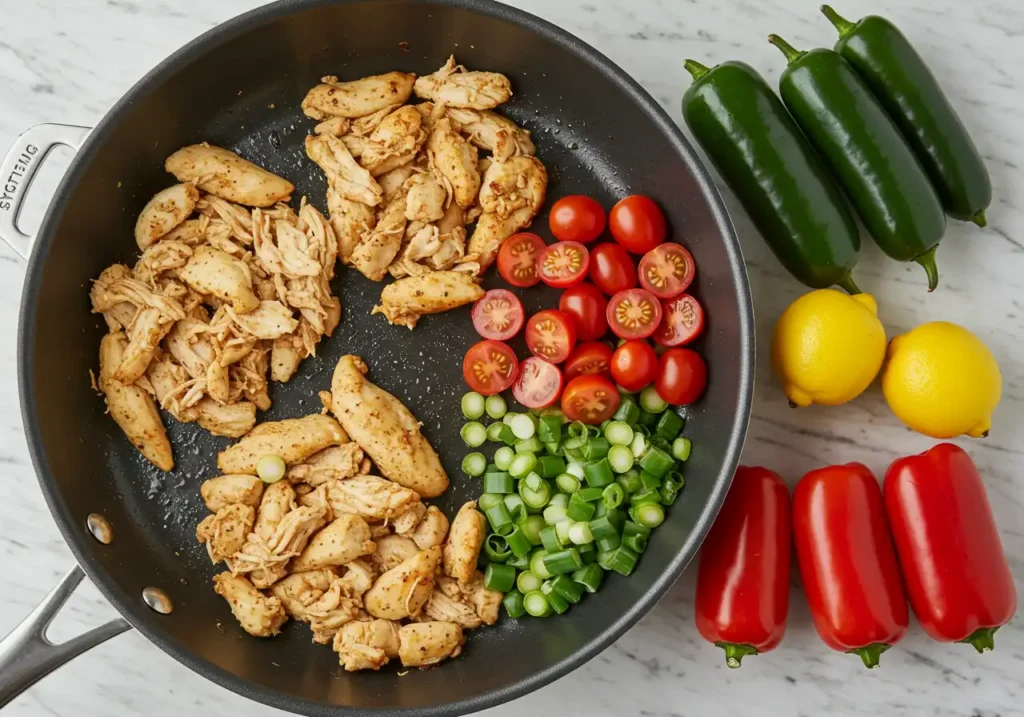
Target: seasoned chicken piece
column 214, row 272
column 343, row 172
column 165, row 256
column 293, row 439
column 432, row 530
column 448, row 609
column 344, row 539
column 266, row 558
column 358, row 97
column 285, row 356
column 277, row 501
column 371, row 497
column 187, row 342
column 334, row 609
column 224, row 533
column 259, row 615
column 118, row 313
column 334, row 463
column 464, row 543
column 224, row 174
column 427, row 198
column 393, row 182
column 379, row 247
column 515, row 184
column 491, row 231
column 385, row 429
column 423, row 644
column 406, row 300
column 485, row 602
column 300, row 590
column 144, row 337
column 356, row 144
column 454, row 160
column 191, row 231
column 131, row 407
column 226, row 490
column 269, row 320
column 333, row 125
column 315, row 497
column 366, row 645
column 406, row 522
column 392, row 551
column 350, row 220
column 394, row 142
column 493, row 132
column 402, row 591
column 232, row 421
column 365, row 125
column 359, row 577
column 454, row 86
column 164, row 212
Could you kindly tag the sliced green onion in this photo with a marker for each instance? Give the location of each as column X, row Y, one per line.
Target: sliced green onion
column 523, row 426
column 650, row 515
column 656, row 461
column 536, row 604
column 560, row 499
column 622, row 560
column 669, row 425
column 645, row 496
column 558, row 603
column 630, row 481
column 602, row 527
column 659, row 442
column 589, row 577
column 529, row 445
column 554, row 514
column 494, row 432
column 598, row 473
column 639, row 444
column 613, row 495
column 505, row 434
column 599, row 510
column 577, row 429
column 496, row 548
column 537, row 566
column 535, row 499
column 566, row 587
column 531, row 528
column 489, row 500
column 516, row 508
column 620, row 458
column 533, row 481
column 509, row 417
column 474, row 464
column 645, row 418
column 590, row 495
column 495, row 406
column 635, row 536
column 627, row 410
column 554, row 449
column 651, row 402
column 681, row 448
column 522, row 562
column 513, row 602
column 474, row 434
column 500, row 519
column 562, row 532
column 642, row 430
column 588, row 553
column 270, row 468
column 503, row 456
column 579, row 533
column 606, row 544
column 550, row 466
column 567, row 483
column 550, row 429
column 579, row 509
column 496, row 482
column 594, row 431
column 549, row 539
column 575, row 469
column 596, row 448
column 619, row 433
column 527, row 581
column 564, row 561
column 617, row 517
column 649, row 481
column 522, row 464
column 499, row 577
column 671, row 487
column 472, row 405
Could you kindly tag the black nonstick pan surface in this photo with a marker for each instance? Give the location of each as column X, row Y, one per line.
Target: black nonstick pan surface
column 240, row 86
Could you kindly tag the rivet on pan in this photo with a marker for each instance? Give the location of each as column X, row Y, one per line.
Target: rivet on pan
column 157, row 600
column 100, row 528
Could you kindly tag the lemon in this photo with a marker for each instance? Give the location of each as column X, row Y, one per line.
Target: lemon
column 828, row 347
column 942, row 381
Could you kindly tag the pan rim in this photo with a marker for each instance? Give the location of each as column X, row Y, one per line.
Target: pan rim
column 130, row 608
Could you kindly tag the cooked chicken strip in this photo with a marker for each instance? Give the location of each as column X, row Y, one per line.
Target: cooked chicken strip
column 427, row 643
column 379, row 247
column 392, row 551
column 164, row 212
column 226, row 490
column 334, row 609
column 406, row 300
column 346, row 538
column 407, row 521
column 293, row 439
column 432, row 530
column 334, row 463
column 350, row 220
column 371, row 497
column 144, row 337
column 359, row 577
column 385, row 429
column 454, row 86
column 266, row 559
column 358, row 97
column 214, row 272
column 427, row 198
column 165, row 256
column 259, row 615
column 509, row 186
column 393, row 182
column 343, row 172
column 131, row 407
column 278, row 500
column 269, row 320
column 366, row 645
column 300, row 590
column 226, row 175
column 447, row 609
column 333, row 125
column 493, row 132
column 363, row 126
column 118, row 313
column 188, row 343
column 464, row 542
column 232, row 421
column 485, row 602
column 394, row 142
column 225, row 533
column 402, row 591
column 454, row 159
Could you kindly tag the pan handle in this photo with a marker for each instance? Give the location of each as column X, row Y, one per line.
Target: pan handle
column 26, row 656
column 19, row 169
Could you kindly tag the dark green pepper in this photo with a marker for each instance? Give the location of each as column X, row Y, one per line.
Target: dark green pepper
column 781, row 183
column 911, row 95
column 875, row 165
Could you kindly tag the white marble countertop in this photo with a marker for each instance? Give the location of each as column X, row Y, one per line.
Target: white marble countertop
column 69, row 61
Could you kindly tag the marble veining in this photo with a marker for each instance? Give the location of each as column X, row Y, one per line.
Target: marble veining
column 69, row 61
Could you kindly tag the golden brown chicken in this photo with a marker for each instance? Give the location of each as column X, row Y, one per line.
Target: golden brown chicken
column 422, row 644
column 406, row 300
column 344, row 539
column 464, row 542
column 259, row 615
column 165, row 211
column 226, row 490
column 224, row 174
column 357, row 98
column 293, row 439
column 402, row 591
column 366, row 645
column 454, row 86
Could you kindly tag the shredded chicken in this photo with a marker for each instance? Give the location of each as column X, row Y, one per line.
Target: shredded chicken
column 259, row 615
column 406, row 300
column 331, row 464
column 357, row 98
column 366, row 645
column 454, row 86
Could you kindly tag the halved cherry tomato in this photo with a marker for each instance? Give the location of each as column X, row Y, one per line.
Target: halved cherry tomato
column 563, row 264
column 498, row 315
column 539, row 383
column 682, row 376
column 682, row 322
column 637, row 223
column 667, row 270
column 577, row 218
column 613, row 268
column 634, row 365
column 634, row 314
column 590, row 399
column 517, row 259
column 550, row 335
column 490, row 367
column 586, row 305
column 592, row 357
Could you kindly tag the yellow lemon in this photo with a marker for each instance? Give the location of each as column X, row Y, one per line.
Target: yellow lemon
column 942, row 381
column 828, row 347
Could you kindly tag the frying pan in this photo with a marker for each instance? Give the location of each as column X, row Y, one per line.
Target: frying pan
column 240, row 86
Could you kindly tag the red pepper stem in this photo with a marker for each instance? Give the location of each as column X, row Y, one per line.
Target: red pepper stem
column 983, row 639
column 844, row 26
column 695, row 68
column 792, row 54
column 870, row 653
column 734, row 653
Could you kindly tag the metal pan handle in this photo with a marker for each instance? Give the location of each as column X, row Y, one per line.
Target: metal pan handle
column 19, row 169
column 26, row 656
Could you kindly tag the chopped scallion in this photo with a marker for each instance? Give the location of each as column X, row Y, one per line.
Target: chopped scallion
column 566, row 587
column 622, row 560
column 550, row 429
column 496, row 548
column 472, row 405
column 536, row 604
column 650, row 515
column 567, row 483
column 651, row 402
column 579, row 533
column 579, row 509
column 527, row 581
column 537, row 566
column 627, row 410
column 558, row 603
column 495, row 406
column 531, row 528
column 473, row 434
column 522, row 464
column 620, row 458
column 681, row 448
column 503, row 456
column 590, row 577
column 513, row 602
column 669, row 425
column 529, row 445
column 598, row 473
column 489, row 500
column 522, row 425
column 499, row 577
column 564, row 561
column 500, row 519
column 613, row 495
column 496, row 482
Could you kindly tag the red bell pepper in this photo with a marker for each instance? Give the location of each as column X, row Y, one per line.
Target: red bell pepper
column 847, row 562
column 956, row 574
column 743, row 578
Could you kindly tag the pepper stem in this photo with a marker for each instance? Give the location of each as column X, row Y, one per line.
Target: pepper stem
column 983, row 639
column 695, row 68
column 927, row 260
column 791, row 53
column 979, row 218
column 847, row 285
column 844, row 26
column 869, row 655
column 734, row 653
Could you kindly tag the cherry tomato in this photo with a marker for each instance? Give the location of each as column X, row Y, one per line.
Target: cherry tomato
column 634, row 365
column 563, row 264
column 498, row 315
column 586, row 305
column 592, row 357
column 577, row 218
column 517, row 259
column 682, row 322
column 634, row 314
column 550, row 335
column 613, row 268
column 667, row 270
column 490, row 367
column 590, row 399
column 637, row 223
column 682, row 376
column 539, row 383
